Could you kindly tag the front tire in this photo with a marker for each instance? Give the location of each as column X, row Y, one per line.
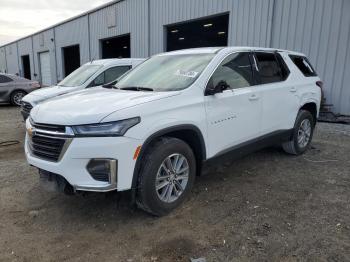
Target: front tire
column 302, row 134
column 16, row 97
column 166, row 177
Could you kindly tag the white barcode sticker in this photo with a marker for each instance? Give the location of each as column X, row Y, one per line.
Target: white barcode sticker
column 190, row 74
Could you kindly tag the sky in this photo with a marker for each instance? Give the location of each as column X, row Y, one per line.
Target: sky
column 19, row 18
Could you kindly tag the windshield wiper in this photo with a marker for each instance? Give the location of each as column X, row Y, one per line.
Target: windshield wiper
column 137, row 88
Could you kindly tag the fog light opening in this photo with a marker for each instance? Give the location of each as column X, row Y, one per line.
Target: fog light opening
column 104, row 170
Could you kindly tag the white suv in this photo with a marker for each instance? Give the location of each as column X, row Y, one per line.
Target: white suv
column 152, row 132
column 91, row 74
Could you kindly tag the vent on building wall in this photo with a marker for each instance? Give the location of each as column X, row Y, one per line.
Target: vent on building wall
column 111, row 18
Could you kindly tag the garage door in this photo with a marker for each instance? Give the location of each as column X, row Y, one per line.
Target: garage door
column 45, row 69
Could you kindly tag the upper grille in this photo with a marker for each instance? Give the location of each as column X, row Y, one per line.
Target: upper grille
column 26, row 107
column 47, row 148
column 48, row 142
column 47, row 127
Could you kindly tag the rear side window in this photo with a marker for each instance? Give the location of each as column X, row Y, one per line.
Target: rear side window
column 5, row 79
column 271, row 68
column 304, row 65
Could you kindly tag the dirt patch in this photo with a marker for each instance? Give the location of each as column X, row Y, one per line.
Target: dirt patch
column 267, row 206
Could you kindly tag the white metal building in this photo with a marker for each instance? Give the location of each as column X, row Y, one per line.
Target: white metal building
column 140, row 28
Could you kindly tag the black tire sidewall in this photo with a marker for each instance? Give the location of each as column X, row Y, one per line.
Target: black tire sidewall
column 154, row 159
column 13, row 95
column 300, row 118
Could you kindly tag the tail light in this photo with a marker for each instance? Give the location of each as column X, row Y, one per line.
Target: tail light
column 320, row 84
column 35, row 85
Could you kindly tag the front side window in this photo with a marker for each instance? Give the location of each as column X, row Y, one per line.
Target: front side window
column 166, row 72
column 234, row 72
column 79, row 76
column 113, row 73
column 110, row 75
column 99, row 80
column 5, row 79
column 269, row 68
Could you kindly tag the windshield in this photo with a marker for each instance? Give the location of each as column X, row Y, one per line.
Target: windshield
column 79, row 76
column 166, row 72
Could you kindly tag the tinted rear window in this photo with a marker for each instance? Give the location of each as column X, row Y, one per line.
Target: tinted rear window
column 304, row 65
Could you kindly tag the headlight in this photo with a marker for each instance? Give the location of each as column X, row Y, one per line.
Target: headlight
column 117, row 128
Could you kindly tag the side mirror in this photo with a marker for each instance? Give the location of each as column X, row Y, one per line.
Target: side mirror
column 219, row 88
column 92, row 84
column 107, row 85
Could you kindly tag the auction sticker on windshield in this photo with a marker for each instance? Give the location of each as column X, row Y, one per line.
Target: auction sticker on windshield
column 190, row 74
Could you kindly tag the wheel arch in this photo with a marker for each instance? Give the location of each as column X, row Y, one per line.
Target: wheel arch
column 188, row 133
column 311, row 106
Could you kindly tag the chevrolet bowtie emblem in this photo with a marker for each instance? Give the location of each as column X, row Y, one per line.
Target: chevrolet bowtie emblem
column 30, row 131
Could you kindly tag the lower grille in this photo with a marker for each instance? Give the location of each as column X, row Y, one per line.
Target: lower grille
column 26, row 107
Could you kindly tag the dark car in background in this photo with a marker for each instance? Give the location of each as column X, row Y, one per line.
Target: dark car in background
column 13, row 88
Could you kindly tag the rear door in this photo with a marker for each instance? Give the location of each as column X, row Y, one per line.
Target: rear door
column 233, row 116
column 279, row 95
column 45, row 69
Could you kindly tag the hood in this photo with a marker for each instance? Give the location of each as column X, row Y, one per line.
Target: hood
column 42, row 94
column 91, row 106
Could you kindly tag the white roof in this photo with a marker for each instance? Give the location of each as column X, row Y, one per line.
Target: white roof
column 116, row 61
column 213, row 50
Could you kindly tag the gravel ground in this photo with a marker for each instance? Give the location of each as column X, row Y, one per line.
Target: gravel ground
column 267, row 206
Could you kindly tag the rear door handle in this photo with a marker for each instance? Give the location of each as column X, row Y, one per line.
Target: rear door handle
column 293, row 89
column 253, row 97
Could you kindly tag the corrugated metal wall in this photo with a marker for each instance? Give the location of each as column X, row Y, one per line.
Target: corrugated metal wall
column 318, row 28
column 321, row 30
column 25, row 48
column 44, row 42
column 12, row 58
column 250, row 20
column 3, row 67
column 132, row 18
column 75, row 32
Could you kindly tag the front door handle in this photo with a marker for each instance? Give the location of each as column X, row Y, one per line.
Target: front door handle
column 253, row 97
column 293, row 89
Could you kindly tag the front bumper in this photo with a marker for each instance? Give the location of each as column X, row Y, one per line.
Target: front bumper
column 72, row 165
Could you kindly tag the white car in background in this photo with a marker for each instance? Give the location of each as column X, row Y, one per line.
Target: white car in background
column 95, row 73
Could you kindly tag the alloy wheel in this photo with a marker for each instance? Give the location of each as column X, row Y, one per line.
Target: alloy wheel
column 304, row 133
column 172, row 178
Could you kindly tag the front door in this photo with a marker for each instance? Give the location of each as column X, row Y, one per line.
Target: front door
column 233, row 116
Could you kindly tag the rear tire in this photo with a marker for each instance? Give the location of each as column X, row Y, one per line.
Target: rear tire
column 166, row 176
column 16, row 97
column 302, row 134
